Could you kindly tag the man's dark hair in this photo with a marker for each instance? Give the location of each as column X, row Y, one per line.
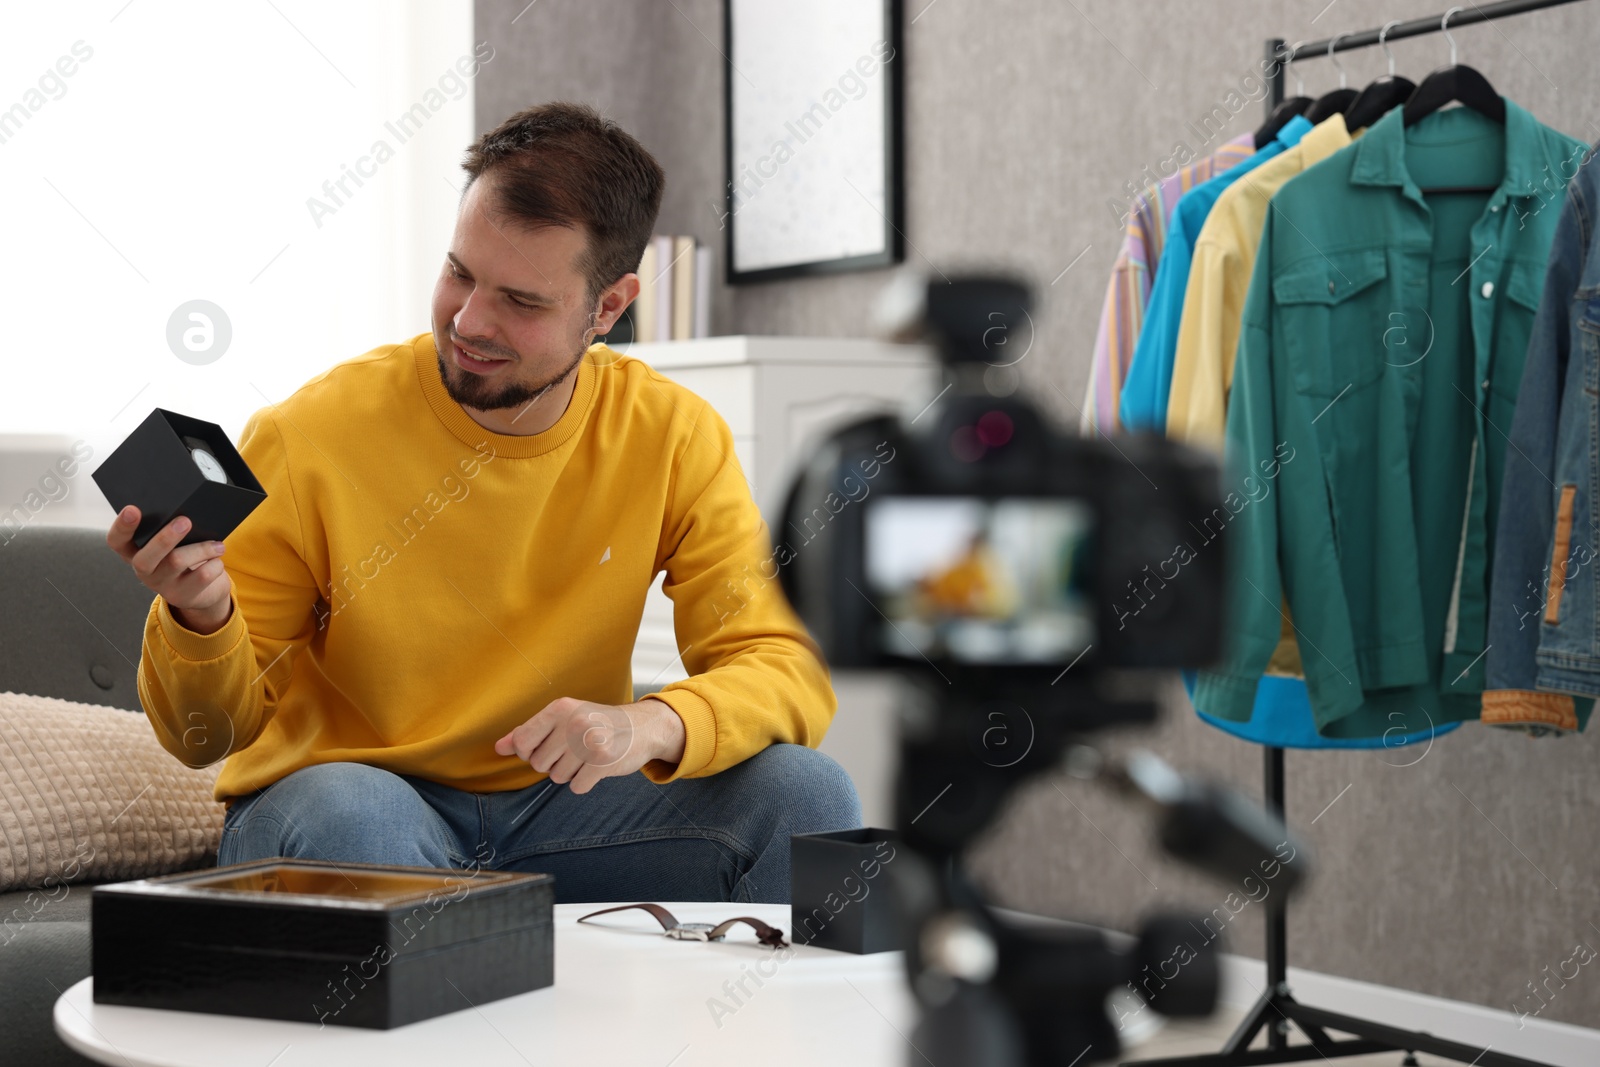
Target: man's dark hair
column 562, row 164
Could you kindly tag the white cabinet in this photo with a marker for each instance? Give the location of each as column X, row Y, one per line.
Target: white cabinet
column 778, row 396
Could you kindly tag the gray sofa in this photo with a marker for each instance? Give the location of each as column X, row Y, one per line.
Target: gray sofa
column 72, row 628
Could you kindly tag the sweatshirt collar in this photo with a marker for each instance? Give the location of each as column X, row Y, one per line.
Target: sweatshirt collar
column 512, row 446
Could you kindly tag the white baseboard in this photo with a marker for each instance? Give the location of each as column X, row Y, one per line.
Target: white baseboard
column 1554, row 1043
column 1244, row 979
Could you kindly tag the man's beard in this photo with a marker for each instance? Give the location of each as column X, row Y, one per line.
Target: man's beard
column 471, row 391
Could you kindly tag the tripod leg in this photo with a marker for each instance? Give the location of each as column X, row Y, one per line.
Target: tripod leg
column 1317, row 1034
column 1261, row 1014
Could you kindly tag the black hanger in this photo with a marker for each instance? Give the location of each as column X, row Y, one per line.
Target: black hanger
column 1284, row 112
column 1455, row 83
column 1281, row 115
column 1451, row 84
column 1383, row 95
column 1334, row 103
column 1376, row 101
column 1331, row 104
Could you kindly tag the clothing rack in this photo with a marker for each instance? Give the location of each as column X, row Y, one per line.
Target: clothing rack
column 1277, row 1008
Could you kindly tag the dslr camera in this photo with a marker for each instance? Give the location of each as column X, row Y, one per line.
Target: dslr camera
column 1029, row 586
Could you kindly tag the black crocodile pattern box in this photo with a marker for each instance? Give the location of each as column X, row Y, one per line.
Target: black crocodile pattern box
column 344, row 944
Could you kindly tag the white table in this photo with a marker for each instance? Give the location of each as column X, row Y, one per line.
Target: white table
column 624, row 994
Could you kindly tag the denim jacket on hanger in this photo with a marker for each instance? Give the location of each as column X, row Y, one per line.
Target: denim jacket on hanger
column 1542, row 634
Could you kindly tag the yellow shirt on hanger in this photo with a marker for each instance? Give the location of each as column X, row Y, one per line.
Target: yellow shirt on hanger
column 1219, row 278
column 1213, row 307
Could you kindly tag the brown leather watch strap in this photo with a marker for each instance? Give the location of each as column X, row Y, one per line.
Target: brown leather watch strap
column 767, row 935
column 663, row 916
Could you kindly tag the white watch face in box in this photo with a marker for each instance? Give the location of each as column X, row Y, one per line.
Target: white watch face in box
column 200, row 452
column 208, row 465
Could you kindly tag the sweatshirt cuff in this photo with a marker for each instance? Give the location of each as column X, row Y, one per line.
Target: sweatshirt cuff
column 200, row 647
column 699, row 736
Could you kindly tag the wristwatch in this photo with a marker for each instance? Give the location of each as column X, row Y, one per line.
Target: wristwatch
column 767, row 935
column 206, row 460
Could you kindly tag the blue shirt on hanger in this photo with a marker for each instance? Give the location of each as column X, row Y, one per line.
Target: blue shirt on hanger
column 1144, row 393
column 1281, row 716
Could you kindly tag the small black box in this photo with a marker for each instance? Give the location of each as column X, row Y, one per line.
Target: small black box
column 155, row 470
column 838, row 890
column 348, row 944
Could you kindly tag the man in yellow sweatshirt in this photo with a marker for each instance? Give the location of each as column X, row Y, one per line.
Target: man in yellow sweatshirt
column 418, row 652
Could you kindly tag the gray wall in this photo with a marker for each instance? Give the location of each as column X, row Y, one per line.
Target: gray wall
column 1463, row 875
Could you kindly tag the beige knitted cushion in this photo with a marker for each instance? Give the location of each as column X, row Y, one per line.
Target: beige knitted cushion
column 87, row 793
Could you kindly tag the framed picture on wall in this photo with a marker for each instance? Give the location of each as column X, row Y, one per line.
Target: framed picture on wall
column 813, row 137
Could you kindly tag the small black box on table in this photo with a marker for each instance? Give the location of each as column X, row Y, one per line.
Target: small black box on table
column 838, row 890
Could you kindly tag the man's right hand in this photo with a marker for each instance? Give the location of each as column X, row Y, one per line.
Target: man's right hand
column 191, row 579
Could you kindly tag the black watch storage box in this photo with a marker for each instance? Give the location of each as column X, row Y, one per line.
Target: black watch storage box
column 157, row 471
column 339, row 944
column 839, row 894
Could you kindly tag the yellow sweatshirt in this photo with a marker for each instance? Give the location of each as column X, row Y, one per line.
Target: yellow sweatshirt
column 414, row 585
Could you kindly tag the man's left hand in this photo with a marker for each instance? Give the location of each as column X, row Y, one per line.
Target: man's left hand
column 581, row 742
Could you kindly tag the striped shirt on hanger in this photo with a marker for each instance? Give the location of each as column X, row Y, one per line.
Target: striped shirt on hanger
column 1128, row 291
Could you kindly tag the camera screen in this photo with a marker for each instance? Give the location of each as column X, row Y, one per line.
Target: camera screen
column 976, row 580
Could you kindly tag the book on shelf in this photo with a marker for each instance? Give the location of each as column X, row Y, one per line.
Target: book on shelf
column 662, row 330
column 682, row 288
column 674, row 301
column 643, row 308
column 702, row 292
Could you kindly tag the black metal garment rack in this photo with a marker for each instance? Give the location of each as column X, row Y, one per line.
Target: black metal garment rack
column 1277, row 1009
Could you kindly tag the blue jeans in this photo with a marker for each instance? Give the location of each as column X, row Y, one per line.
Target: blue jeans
column 722, row 837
